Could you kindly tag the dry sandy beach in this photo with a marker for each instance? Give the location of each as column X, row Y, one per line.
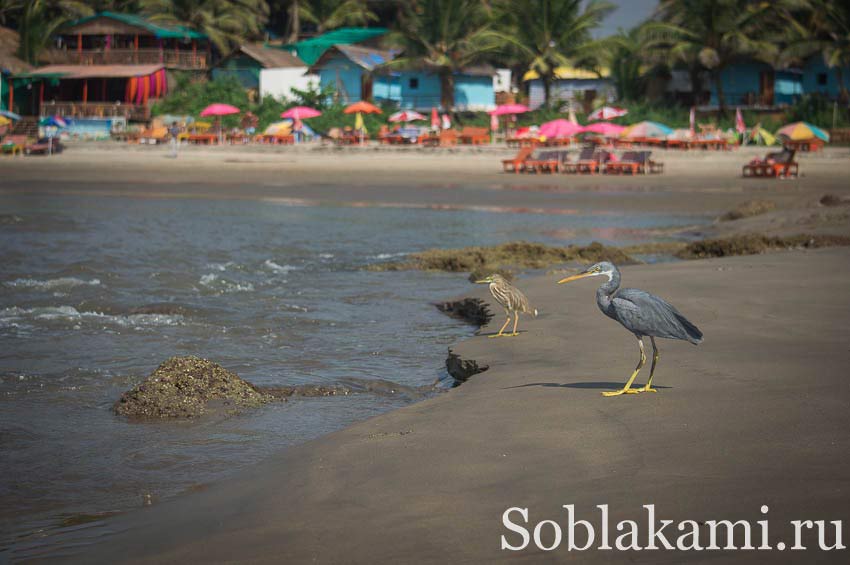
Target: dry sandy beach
column 756, row 415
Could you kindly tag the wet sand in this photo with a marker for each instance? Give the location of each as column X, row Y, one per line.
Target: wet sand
column 756, row 415
column 695, row 182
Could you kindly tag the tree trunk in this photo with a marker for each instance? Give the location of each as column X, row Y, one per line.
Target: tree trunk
column 294, row 22
column 547, row 91
column 696, row 85
column 447, row 90
column 721, row 100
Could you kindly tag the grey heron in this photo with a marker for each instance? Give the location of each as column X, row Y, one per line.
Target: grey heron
column 641, row 313
column 510, row 298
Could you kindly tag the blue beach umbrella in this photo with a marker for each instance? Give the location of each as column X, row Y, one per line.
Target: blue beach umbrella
column 10, row 115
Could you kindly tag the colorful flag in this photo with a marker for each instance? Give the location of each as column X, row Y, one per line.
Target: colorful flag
column 435, row 119
column 740, row 127
column 693, row 120
column 447, row 123
column 358, row 123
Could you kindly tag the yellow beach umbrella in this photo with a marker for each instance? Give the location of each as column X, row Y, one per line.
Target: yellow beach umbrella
column 4, row 121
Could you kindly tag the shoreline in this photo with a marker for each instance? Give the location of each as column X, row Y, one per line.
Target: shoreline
column 397, row 484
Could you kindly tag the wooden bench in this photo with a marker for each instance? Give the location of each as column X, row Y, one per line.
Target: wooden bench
column 474, row 136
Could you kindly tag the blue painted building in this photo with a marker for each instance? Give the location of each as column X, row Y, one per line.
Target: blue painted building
column 355, row 72
column 820, row 79
column 752, row 83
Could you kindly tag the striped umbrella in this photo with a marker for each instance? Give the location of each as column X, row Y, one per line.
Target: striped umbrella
column 607, row 113
column 406, row 116
column 647, row 129
column 801, row 131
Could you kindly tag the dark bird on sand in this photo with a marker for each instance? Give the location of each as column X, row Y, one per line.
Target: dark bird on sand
column 511, row 299
column 641, row 313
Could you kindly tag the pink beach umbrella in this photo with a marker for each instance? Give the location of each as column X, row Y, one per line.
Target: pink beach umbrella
column 219, row 110
column 506, row 109
column 607, row 113
column 406, row 116
column 604, row 128
column 558, row 129
column 301, row 113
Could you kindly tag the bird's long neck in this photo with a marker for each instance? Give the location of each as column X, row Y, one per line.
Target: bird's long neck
column 605, row 293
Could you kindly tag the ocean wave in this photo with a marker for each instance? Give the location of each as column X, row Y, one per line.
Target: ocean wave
column 51, row 283
column 384, row 256
column 326, row 255
column 280, row 268
column 221, row 267
column 214, row 282
column 11, row 317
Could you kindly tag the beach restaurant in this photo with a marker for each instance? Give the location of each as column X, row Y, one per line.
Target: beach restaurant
column 89, row 91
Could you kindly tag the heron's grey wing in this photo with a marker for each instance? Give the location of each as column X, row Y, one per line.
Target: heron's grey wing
column 646, row 314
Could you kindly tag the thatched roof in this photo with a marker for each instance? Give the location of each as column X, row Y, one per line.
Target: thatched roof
column 8, row 47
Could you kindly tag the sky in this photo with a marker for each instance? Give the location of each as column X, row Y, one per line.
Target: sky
column 628, row 14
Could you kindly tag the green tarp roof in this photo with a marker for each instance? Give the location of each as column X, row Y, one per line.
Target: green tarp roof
column 159, row 30
column 311, row 49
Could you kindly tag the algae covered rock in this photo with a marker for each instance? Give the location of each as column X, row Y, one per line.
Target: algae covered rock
column 182, row 387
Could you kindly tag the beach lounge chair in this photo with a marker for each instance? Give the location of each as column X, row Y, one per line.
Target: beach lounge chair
column 634, row 162
column 778, row 164
column 474, row 136
column 44, row 146
column 13, row 144
column 517, row 164
column 546, row 162
column 589, row 161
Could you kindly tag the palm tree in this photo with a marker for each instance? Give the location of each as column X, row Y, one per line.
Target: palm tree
column 626, row 56
column 711, row 34
column 226, row 22
column 822, row 28
column 444, row 36
column 330, row 14
column 547, row 34
column 40, row 19
column 9, row 10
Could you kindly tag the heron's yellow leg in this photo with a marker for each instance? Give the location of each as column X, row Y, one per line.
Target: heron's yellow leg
column 508, row 321
column 627, row 388
column 655, row 355
column 516, row 321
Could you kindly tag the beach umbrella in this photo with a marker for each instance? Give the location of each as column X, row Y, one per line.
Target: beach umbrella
column 10, row 115
column 362, row 107
column 301, row 113
column 219, row 110
column 646, row 129
column 607, row 113
column 801, row 131
column 560, row 129
column 406, row 116
column 508, row 109
column 761, row 136
column 55, row 121
column 681, row 134
column 435, row 119
column 4, row 121
column 279, row 128
column 604, row 128
column 740, row 126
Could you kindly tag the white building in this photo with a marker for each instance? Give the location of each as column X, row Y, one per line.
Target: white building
column 267, row 70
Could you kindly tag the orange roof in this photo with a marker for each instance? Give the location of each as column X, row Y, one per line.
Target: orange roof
column 95, row 71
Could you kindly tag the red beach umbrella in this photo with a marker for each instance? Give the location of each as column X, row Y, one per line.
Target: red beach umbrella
column 364, row 107
column 219, row 110
column 301, row 113
column 506, row 109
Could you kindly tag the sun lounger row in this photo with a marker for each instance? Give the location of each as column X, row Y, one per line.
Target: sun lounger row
column 21, row 145
column 589, row 161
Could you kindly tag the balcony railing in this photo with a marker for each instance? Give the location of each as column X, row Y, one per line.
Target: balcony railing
column 132, row 112
column 168, row 57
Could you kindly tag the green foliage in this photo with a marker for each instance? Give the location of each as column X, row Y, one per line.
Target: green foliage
column 191, row 97
column 330, row 14
column 819, row 111
column 40, row 19
column 546, row 34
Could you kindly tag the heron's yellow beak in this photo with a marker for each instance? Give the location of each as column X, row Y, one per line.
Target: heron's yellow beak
column 574, row 278
column 482, row 281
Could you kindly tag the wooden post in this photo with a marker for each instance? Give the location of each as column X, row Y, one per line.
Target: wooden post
column 11, row 94
column 40, row 96
column 85, row 91
column 80, row 48
column 136, row 49
column 195, row 53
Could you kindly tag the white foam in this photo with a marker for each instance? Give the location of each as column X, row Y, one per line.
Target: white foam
column 326, row 255
column 51, row 283
column 221, row 267
column 213, row 281
column 10, row 317
column 280, row 268
column 388, row 255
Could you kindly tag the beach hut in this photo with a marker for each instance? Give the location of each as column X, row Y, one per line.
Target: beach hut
column 269, row 71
